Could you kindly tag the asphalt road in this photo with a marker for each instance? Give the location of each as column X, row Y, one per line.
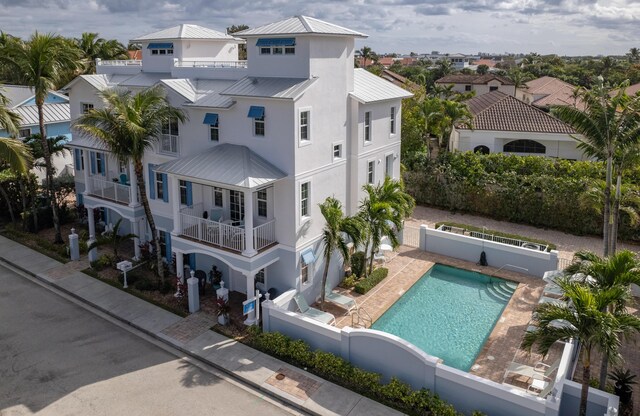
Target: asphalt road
column 58, row 358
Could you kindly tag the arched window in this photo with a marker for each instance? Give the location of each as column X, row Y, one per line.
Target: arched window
column 524, row 146
column 482, row 149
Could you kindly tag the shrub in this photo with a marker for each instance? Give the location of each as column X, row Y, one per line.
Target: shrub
column 376, row 276
column 357, row 263
column 145, row 284
column 348, row 282
column 102, row 263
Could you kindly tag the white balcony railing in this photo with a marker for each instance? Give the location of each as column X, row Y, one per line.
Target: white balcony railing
column 225, row 235
column 203, row 63
column 110, row 190
column 169, row 144
column 120, row 62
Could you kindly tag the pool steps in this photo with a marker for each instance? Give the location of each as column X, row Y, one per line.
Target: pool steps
column 501, row 290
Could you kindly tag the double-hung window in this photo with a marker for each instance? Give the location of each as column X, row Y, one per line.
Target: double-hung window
column 305, row 134
column 304, row 272
column 305, row 189
column 388, row 170
column 212, row 120
column 217, row 197
column 367, row 126
column 236, row 205
column 24, row 133
column 86, row 107
column 261, row 196
column 392, row 119
column 100, row 169
column 371, row 172
column 257, row 114
column 183, row 192
column 159, row 183
column 169, row 139
column 307, row 259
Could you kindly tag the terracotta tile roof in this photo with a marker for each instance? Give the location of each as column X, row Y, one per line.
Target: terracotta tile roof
column 554, row 91
column 500, row 112
column 137, row 54
column 397, row 79
column 386, row 61
column 473, row 79
column 630, row 90
column 488, row 62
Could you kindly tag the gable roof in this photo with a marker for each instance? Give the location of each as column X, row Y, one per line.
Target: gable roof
column 368, row 88
column 186, row 31
column 227, row 164
column 501, row 112
column 16, row 94
column 201, row 92
column 53, row 113
column 473, row 79
column 300, row 25
column 397, row 79
column 267, row 87
column 554, row 91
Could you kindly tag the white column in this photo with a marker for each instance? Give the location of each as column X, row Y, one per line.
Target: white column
column 249, row 249
column 251, row 316
column 135, row 229
column 175, row 202
column 87, row 169
column 133, row 188
column 179, row 265
column 93, row 254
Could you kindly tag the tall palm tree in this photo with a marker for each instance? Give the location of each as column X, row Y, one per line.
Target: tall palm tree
column 94, row 47
column 41, row 63
column 334, row 235
column 585, row 322
column 621, row 270
column 129, row 125
column 455, row 114
column 367, row 55
column 606, row 123
column 634, row 55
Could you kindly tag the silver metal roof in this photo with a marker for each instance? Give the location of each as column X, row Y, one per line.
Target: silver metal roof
column 226, row 164
column 144, row 79
column 186, row 31
column 368, row 88
column 53, row 113
column 84, row 141
column 300, row 25
column 288, row 88
column 16, row 94
column 201, row 92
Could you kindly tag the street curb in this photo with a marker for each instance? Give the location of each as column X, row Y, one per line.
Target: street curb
column 240, row 379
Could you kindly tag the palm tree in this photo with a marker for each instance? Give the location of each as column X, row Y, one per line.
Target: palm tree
column 634, row 55
column 585, row 322
column 383, row 211
column 94, row 47
column 455, row 114
column 41, row 63
column 112, row 238
column 606, row 123
column 367, row 54
column 337, row 228
column 55, row 144
column 129, row 125
column 9, row 120
column 621, row 269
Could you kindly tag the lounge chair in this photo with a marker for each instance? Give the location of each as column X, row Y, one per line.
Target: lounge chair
column 540, row 369
column 378, row 256
column 343, row 301
column 540, row 387
column 313, row 313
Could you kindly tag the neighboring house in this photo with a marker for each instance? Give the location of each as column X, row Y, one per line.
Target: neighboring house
column 267, row 140
column 545, row 92
column 481, row 84
column 398, row 79
column 458, row 60
column 488, row 62
column 56, row 120
column 502, row 123
column 630, row 90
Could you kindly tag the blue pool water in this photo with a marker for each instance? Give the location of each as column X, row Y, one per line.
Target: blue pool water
column 449, row 313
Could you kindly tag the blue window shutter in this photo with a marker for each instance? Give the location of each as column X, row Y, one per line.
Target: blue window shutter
column 159, row 45
column 276, row 42
column 256, row 112
column 93, row 162
column 76, row 158
column 211, row 119
column 79, row 199
column 167, row 240
column 189, row 193
column 192, row 261
column 165, row 188
column 152, row 182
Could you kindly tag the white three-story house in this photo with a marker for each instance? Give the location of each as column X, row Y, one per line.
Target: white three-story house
column 238, row 184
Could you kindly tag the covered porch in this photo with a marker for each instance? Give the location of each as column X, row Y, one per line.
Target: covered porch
column 225, row 199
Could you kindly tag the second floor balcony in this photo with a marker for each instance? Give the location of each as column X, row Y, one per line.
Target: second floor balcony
column 110, row 190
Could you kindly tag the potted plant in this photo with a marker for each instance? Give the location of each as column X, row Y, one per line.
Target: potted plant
column 215, row 276
column 223, row 309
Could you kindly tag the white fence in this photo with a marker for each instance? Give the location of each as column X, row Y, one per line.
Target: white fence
column 110, row 190
column 491, row 237
column 203, row 63
column 411, row 236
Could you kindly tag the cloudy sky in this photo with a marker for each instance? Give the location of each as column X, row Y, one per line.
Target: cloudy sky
column 567, row 27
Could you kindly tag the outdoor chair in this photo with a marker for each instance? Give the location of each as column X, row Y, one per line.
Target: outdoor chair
column 313, row 313
column 378, row 256
column 124, row 179
column 336, row 298
column 540, row 387
column 540, row 369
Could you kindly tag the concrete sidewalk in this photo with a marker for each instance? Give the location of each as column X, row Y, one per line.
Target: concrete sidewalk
column 192, row 336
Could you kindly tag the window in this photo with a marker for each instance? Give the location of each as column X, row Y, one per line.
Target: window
column 337, row 151
column 289, row 50
column 214, row 134
column 262, row 202
column 304, row 199
column 154, row 52
column 183, row 192
column 122, row 166
column 304, row 273
column 524, row 146
column 493, row 88
column 236, row 205
column 257, row 114
column 388, row 166
column 304, row 126
column 100, row 169
column 86, row 107
column 371, row 171
column 260, row 276
column 265, row 51
column 482, row 149
column 171, row 127
column 217, row 197
column 392, row 118
column 24, row 133
column 367, row 126
column 275, row 46
column 467, row 87
column 277, row 50
column 307, row 258
column 169, row 139
column 159, row 186
column 162, row 239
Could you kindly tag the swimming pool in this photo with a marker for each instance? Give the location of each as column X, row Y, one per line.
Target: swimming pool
column 449, row 313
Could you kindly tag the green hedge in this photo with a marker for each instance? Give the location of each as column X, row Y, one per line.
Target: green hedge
column 369, row 282
column 533, row 190
column 468, row 227
column 395, row 394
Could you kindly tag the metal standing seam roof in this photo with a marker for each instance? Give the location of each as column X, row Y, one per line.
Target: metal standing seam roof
column 144, row 79
column 501, row 112
column 300, row 25
column 16, row 94
column 226, row 164
column 186, row 31
column 83, row 141
column 368, row 88
column 286, row 88
column 53, row 113
column 201, row 92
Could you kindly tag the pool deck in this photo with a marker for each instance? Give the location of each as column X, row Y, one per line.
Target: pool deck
column 407, row 265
